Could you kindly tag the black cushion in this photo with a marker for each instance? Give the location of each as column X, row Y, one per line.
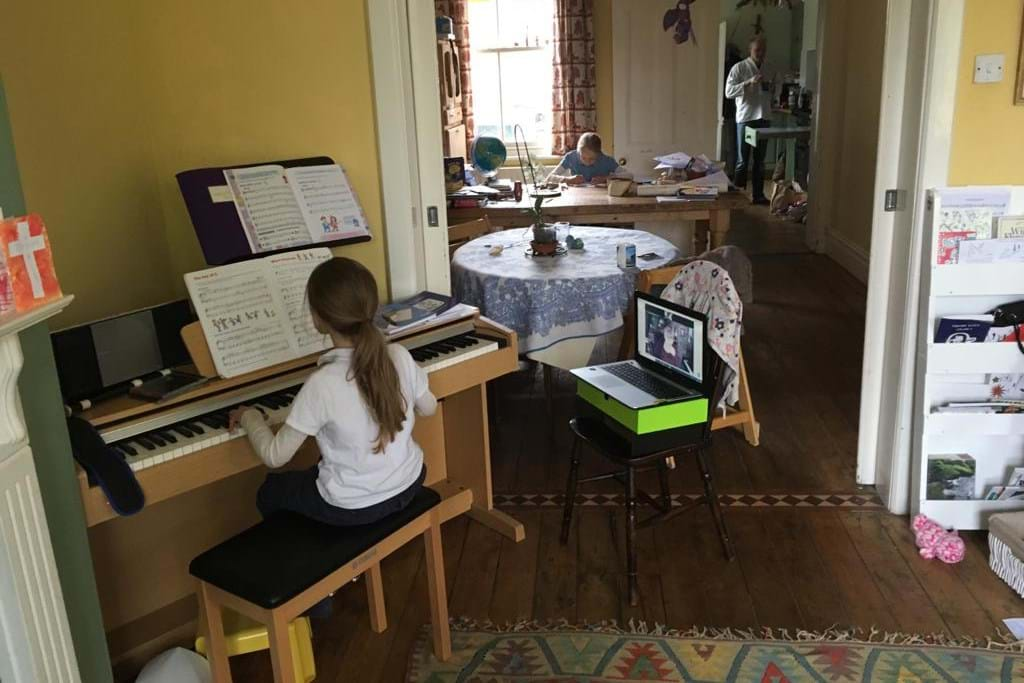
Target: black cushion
column 272, row 562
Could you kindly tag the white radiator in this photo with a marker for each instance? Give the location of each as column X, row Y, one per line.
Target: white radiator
column 35, row 641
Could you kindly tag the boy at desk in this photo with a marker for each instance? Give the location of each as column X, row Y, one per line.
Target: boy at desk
column 586, row 164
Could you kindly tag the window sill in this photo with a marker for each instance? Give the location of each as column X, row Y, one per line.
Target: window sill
column 545, row 160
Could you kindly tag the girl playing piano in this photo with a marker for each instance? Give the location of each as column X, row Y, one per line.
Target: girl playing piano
column 359, row 405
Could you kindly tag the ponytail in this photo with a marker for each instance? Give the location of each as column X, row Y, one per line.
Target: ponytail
column 375, row 375
column 343, row 295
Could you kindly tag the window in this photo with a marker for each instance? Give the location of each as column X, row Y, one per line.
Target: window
column 511, row 43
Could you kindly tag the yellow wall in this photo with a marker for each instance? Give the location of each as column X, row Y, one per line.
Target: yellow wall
column 988, row 130
column 114, row 97
column 603, row 64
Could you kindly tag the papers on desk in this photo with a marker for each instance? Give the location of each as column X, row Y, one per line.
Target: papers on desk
column 674, row 160
column 683, row 161
column 718, row 180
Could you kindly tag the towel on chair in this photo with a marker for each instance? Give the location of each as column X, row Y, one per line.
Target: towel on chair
column 706, row 287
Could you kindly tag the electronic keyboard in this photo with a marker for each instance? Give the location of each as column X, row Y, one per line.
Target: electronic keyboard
column 193, row 429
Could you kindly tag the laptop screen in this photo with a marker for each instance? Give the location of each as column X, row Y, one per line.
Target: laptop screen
column 670, row 339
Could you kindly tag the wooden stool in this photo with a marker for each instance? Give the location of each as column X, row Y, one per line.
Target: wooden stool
column 278, row 569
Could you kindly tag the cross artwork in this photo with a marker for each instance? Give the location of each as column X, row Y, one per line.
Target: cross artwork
column 26, row 247
column 27, row 276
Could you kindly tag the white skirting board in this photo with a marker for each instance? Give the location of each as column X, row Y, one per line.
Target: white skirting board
column 853, row 258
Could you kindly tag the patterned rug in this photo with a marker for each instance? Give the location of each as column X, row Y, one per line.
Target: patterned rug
column 573, row 655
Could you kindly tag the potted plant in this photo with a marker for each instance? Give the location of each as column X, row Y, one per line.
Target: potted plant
column 545, row 239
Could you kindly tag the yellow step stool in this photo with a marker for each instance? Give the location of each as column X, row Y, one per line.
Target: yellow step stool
column 245, row 635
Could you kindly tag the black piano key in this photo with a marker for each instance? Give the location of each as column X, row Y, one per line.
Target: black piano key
column 275, row 402
column 209, row 421
column 168, row 437
column 127, row 448
column 119, row 450
column 266, row 402
column 155, row 438
column 145, row 443
column 182, row 430
column 196, row 428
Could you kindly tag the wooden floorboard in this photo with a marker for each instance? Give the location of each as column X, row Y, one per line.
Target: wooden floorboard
column 796, row 568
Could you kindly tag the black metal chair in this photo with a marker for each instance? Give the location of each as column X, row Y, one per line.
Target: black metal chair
column 614, row 446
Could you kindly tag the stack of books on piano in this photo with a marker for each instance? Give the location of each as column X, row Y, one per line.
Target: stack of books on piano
column 474, row 196
column 420, row 312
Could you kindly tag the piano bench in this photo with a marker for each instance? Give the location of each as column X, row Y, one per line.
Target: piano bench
column 276, row 570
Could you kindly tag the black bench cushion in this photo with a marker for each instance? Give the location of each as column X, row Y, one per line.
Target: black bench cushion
column 272, row 562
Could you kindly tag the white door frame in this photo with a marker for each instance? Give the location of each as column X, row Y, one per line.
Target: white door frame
column 918, row 98
column 919, row 89
column 403, row 53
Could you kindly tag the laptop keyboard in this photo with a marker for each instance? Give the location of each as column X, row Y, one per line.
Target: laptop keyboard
column 645, row 381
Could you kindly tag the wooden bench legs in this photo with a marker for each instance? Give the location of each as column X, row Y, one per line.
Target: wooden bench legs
column 438, row 594
column 213, row 600
column 375, row 598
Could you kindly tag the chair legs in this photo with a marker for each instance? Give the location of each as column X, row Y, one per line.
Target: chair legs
column 570, row 489
column 712, row 498
column 631, row 536
column 211, row 618
column 666, row 493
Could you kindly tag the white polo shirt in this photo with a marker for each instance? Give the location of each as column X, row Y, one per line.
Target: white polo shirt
column 330, row 408
column 752, row 102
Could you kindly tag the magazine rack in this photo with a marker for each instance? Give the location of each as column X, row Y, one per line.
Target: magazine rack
column 959, row 372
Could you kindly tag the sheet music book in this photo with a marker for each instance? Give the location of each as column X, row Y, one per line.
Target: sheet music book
column 254, row 313
column 287, row 207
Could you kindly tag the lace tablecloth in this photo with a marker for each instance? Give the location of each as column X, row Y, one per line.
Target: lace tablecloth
column 547, row 300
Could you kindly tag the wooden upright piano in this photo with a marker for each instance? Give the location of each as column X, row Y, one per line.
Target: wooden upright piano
column 200, row 479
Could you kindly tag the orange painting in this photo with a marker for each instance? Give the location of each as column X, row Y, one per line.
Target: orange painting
column 26, row 267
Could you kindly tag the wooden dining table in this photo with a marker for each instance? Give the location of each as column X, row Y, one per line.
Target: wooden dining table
column 593, row 206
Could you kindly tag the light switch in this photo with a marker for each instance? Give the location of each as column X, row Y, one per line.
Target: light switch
column 988, row 68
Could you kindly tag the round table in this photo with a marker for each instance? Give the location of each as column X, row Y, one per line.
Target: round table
column 557, row 305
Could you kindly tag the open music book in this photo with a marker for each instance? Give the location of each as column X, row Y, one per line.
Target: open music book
column 287, row 207
column 254, row 314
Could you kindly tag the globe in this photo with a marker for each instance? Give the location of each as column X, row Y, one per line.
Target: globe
column 487, row 155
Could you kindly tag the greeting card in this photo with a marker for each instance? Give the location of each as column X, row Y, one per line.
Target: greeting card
column 27, row 275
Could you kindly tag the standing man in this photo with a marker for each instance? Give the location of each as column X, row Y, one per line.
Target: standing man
column 750, row 84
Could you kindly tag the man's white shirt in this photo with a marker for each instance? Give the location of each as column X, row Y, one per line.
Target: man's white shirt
column 752, row 102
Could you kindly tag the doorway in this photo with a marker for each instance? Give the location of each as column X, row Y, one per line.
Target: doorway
column 829, row 173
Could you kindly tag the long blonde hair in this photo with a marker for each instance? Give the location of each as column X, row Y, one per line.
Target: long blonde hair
column 343, row 295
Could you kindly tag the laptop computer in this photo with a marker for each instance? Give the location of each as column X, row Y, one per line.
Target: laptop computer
column 668, row 365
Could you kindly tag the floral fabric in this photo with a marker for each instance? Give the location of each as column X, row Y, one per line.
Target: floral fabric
column 574, row 93
column 547, row 300
column 707, row 288
column 456, row 9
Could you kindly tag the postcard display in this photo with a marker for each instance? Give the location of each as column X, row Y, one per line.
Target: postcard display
column 987, row 276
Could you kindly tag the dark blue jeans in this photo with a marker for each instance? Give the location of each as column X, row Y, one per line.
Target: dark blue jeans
column 296, row 491
column 743, row 161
